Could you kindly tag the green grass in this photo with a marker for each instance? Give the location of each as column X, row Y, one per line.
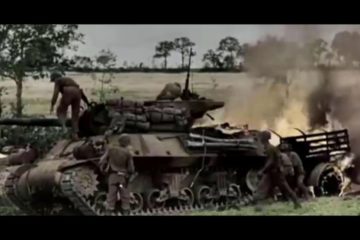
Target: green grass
column 319, row 207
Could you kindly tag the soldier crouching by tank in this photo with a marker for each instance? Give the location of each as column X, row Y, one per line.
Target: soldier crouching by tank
column 272, row 175
column 72, row 95
column 90, row 149
column 171, row 91
column 24, row 156
column 117, row 163
column 299, row 173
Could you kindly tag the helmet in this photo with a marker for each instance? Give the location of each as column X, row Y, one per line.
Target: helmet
column 54, row 76
column 265, row 135
column 285, row 147
column 124, row 140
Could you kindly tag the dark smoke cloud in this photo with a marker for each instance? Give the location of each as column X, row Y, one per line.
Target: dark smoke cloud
column 319, row 101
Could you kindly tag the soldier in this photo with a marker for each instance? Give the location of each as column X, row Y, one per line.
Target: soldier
column 90, row 149
column 299, row 172
column 71, row 95
column 117, row 124
column 24, row 156
column 117, row 162
column 272, row 174
column 171, row 91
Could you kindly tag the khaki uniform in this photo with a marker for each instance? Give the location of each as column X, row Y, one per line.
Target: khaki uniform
column 71, row 95
column 24, row 157
column 88, row 150
column 118, row 163
column 299, row 174
column 171, row 91
column 273, row 177
column 117, row 123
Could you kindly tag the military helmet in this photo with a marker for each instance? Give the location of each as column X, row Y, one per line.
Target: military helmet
column 124, row 140
column 265, row 135
column 54, row 76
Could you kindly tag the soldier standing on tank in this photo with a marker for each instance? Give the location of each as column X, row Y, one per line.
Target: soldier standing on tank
column 72, row 95
column 171, row 91
column 118, row 163
column 272, row 175
column 299, row 172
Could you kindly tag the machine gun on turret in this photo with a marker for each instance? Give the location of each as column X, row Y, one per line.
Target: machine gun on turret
column 187, row 94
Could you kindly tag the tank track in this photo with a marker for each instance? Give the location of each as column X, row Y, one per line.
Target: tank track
column 89, row 209
column 10, row 190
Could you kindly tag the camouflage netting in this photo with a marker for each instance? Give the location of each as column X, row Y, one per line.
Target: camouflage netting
column 42, row 138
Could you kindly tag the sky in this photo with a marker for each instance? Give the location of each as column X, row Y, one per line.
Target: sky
column 136, row 43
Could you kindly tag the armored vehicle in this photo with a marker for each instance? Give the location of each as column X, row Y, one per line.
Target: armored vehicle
column 178, row 166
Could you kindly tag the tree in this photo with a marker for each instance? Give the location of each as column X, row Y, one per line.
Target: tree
column 163, row 50
column 347, row 44
column 31, row 50
column 231, row 47
column 84, row 63
column 183, row 45
column 213, row 59
column 314, row 50
column 106, row 61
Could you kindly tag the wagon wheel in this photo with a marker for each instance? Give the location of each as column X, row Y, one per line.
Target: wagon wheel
column 326, row 180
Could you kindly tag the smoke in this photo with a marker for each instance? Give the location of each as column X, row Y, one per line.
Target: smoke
column 279, row 93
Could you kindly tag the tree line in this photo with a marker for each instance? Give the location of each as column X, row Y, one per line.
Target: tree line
column 32, row 50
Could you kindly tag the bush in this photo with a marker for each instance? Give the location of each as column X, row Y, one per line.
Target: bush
column 42, row 138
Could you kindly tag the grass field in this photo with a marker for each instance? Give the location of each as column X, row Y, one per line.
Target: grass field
column 318, row 207
column 248, row 100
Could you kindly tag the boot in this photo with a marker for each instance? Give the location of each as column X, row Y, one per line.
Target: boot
column 125, row 212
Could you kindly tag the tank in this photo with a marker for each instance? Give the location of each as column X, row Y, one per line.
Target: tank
column 175, row 173
column 179, row 167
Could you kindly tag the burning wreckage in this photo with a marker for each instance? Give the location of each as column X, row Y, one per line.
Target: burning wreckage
column 179, row 167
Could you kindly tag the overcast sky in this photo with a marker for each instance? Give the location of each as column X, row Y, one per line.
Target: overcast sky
column 136, row 43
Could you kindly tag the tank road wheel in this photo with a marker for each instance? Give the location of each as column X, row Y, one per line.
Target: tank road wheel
column 136, row 202
column 251, row 180
column 100, row 200
column 326, row 180
column 153, row 200
column 203, row 195
column 234, row 192
column 186, row 197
